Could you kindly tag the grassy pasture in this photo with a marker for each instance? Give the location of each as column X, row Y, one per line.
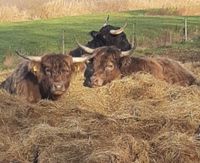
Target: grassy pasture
column 39, row 36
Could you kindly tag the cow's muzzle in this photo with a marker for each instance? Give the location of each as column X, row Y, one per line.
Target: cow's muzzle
column 58, row 88
column 93, row 82
column 96, row 81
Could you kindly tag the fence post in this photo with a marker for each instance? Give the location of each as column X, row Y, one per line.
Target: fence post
column 63, row 42
column 170, row 38
column 134, row 39
column 186, row 29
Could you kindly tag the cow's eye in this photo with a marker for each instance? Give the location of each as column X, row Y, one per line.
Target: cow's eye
column 48, row 71
column 66, row 71
column 110, row 67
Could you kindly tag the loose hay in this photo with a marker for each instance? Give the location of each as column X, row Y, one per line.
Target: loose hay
column 135, row 119
column 175, row 147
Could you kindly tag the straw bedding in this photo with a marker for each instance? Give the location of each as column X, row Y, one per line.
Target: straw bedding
column 135, row 119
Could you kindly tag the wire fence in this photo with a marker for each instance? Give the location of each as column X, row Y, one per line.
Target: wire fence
column 166, row 34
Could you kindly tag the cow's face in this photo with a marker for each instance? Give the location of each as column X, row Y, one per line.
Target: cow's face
column 103, row 68
column 53, row 73
column 97, row 40
column 108, row 37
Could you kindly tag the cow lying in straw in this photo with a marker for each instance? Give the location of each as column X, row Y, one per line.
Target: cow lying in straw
column 46, row 77
column 110, row 63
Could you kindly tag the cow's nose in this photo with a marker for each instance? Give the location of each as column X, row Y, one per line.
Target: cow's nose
column 58, row 87
column 95, row 81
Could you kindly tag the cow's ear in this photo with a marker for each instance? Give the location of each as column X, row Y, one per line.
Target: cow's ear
column 94, row 34
column 34, row 67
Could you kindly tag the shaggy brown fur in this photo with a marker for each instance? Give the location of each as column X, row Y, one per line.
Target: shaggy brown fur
column 107, row 65
column 48, row 79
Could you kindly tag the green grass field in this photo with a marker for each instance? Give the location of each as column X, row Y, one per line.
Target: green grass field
column 36, row 37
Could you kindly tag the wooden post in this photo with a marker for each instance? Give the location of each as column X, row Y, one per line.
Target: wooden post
column 134, row 40
column 63, row 42
column 170, row 37
column 185, row 29
column 196, row 30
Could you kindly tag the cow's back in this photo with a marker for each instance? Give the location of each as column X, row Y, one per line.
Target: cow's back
column 160, row 67
column 141, row 64
column 22, row 83
column 11, row 81
column 175, row 72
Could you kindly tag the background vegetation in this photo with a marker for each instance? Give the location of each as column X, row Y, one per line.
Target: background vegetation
column 40, row 36
column 15, row 10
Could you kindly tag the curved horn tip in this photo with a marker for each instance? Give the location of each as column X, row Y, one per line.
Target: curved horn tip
column 21, row 55
column 85, row 48
column 127, row 53
column 30, row 58
column 118, row 31
column 84, row 58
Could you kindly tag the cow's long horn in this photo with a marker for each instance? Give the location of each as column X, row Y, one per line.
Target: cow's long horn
column 30, row 58
column 126, row 53
column 82, row 59
column 118, row 31
column 133, row 47
column 85, row 48
column 106, row 21
column 35, row 58
column 21, row 55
